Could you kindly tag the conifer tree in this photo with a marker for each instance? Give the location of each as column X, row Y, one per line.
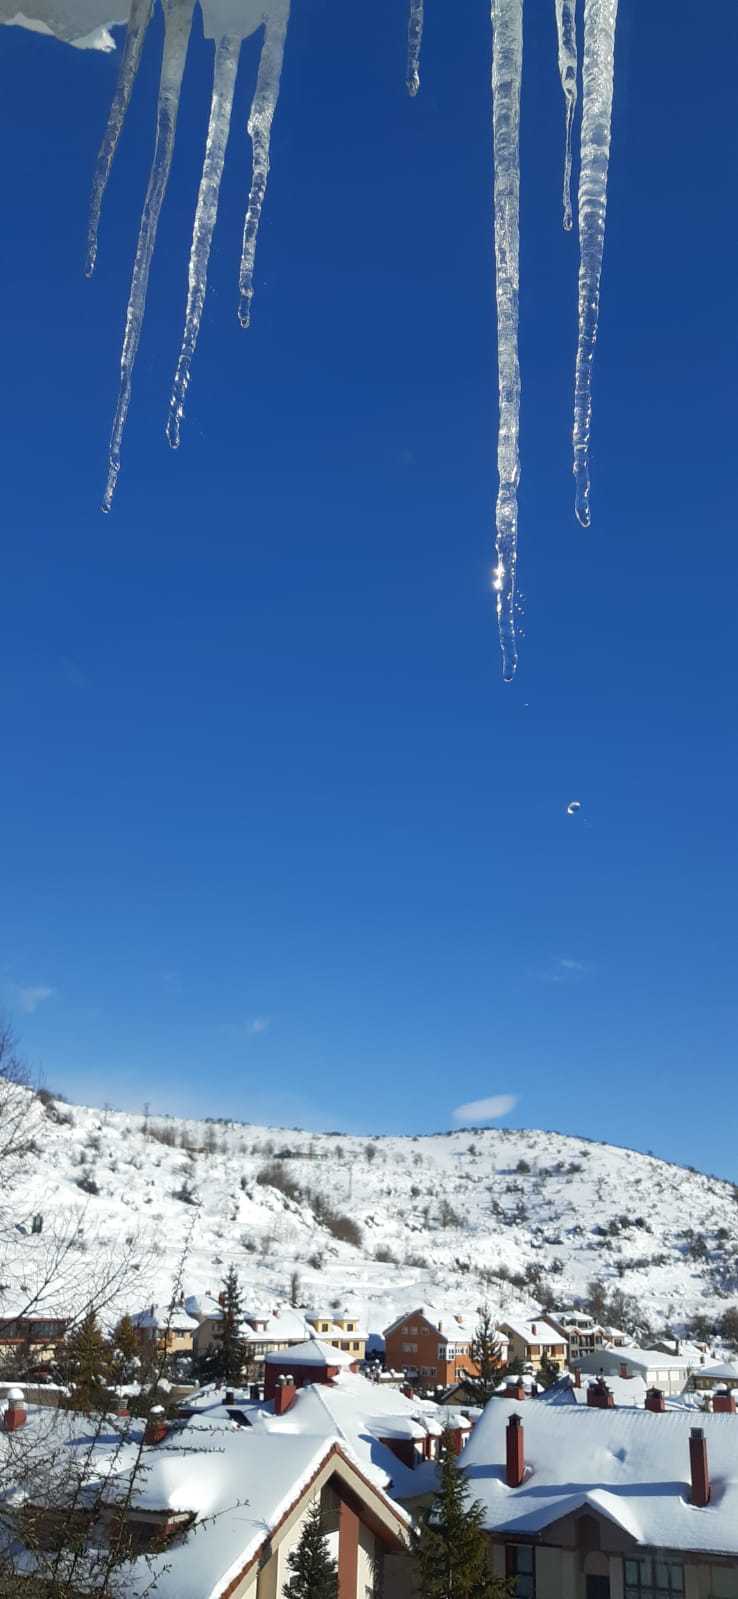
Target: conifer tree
column 126, row 1352
column 314, row 1571
column 230, row 1352
column 486, row 1352
column 450, row 1547
column 87, row 1365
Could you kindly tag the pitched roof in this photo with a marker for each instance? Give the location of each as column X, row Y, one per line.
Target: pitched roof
column 629, row 1465
column 310, row 1353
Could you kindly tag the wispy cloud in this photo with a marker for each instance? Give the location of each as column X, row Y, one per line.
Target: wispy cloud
column 29, row 999
column 563, row 970
column 248, row 1029
column 485, row 1110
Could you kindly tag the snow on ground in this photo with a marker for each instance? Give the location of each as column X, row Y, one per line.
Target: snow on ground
column 447, row 1218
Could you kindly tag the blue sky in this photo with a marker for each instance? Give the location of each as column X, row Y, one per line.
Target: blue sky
column 277, row 841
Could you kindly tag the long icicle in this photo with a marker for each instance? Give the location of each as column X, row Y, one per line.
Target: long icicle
column 414, row 41
column 600, row 17
column 260, row 126
column 138, row 22
column 566, row 29
column 178, row 20
column 221, row 106
column 507, row 63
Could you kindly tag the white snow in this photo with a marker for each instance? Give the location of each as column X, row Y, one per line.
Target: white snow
column 631, row 1465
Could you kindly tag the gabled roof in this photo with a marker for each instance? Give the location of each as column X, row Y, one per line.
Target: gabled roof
column 544, row 1333
column 630, row 1465
column 163, row 1316
column 450, row 1324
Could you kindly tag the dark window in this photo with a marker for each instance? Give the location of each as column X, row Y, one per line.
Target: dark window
column 597, row 1587
column 520, row 1565
column 653, row 1578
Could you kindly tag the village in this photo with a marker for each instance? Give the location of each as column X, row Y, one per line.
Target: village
column 602, row 1470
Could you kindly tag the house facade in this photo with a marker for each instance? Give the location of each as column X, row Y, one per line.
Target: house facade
column 432, row 1347
column 535, row 1341
column 28, row 1341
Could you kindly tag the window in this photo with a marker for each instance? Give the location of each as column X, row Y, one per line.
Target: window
column 427, row 1371
column 653, row 1578
column 424, row 1331
column 520, row 1565
column 409, row 1349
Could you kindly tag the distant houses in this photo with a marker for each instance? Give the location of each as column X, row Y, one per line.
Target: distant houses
column 535, row 1342
column 432, row 1345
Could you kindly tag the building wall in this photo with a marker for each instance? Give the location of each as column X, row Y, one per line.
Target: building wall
column 417, row 1349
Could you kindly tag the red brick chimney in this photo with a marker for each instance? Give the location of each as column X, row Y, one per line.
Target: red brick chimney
column 515, row 1389
column 724, row 1401
column 600, row 1396
column 654, row 1400
column 514, row 1452
column 285, row 1395
column 698, row 1467
column 408, row 1390
column 156, row 1426
column 577, row 1376
column 14, row 1415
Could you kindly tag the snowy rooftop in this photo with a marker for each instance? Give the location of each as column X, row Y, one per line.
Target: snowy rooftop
column 629, row 1465
column 310, row 1353
column 532, row 1332
column 163, row 1316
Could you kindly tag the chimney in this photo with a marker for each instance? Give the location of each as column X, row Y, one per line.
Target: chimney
column 698, row 1467
column 533, row 1328
column 408, row 1390
column 577, row 1376
column 600, row 1396
column 514, row 1452
column 229, row 1397
column 156, row 1425
column 623, row 1369
column 14, row 1415
column 285, row 1395
column 654, row 1400
column 515, row 1389
column 724, row 1401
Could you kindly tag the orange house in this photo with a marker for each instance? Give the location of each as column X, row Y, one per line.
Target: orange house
column 432, row 1346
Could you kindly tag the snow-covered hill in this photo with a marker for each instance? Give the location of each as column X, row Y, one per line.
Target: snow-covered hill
column 381, row 1223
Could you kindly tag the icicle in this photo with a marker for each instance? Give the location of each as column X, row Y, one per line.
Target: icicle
column 414, row 41
column 600, row 17
column 566, row 28
column 138, row 22
column 178, row 19
column 507, row 62
column 260, row 127
column 221, row 105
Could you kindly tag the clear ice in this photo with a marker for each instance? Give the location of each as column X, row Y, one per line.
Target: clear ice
column 414, row 41
column 600, row 17
column 260, row 128
column 178, row 20
column 221, row 104
column 507, row 63
column 138, row 22
column 566, row 30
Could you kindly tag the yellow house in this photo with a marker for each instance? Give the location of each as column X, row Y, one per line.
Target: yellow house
column 340, row 1328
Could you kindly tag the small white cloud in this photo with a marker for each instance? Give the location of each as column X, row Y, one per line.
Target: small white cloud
column 572, row 966
column 249, row 1029
column 29, row 999
column 485, row 1110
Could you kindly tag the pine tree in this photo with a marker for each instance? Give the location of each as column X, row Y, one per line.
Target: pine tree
column 230, row 1351
column 126, row 1353
column 450, row 1548
column 314, row 1572
column 87, row 1365
column 486, row 1352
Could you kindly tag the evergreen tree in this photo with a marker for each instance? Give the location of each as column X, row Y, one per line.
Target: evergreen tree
column 126, row 1352
column 229, row 1350
column 486, row 1352
column 87, row 1365
column 548, row 1372
column 450, row 1547
column 314, row 1572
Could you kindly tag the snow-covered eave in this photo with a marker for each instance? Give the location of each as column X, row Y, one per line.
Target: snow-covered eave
column 341, row 1454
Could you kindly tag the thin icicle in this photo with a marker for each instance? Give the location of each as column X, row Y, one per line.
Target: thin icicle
column 178, row 20
column 221, row 105
column 260, row 127
column 507, row 63
column 414, row 41
column 566, row 28
column 138, row 22
column 600, row 17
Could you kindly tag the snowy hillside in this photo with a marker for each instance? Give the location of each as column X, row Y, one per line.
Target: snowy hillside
column 381, row 1224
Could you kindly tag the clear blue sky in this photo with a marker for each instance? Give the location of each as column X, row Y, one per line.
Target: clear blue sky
column 274, row 833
